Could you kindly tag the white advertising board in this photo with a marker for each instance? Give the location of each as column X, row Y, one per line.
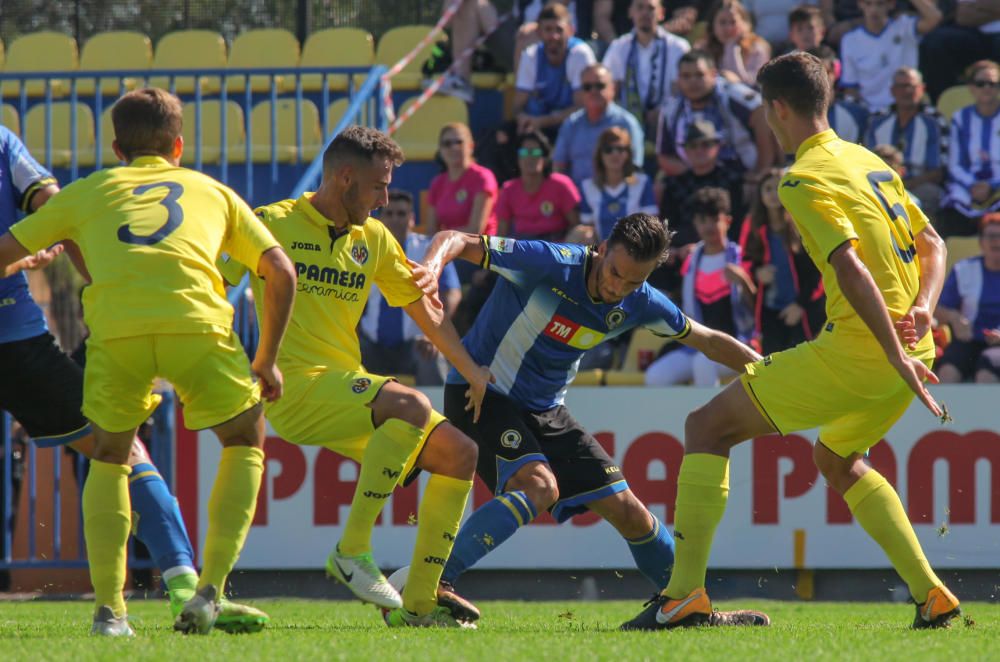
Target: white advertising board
column 780, row 512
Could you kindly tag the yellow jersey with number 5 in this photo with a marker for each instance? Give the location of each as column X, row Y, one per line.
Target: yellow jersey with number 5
column 150, row 234
column 837, row 192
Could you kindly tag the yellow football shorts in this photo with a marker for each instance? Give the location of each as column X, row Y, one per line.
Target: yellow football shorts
column 209, row 371
column 840, row 383
column 329, row 408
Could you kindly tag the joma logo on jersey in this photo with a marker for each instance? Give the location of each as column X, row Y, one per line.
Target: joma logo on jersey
column 570, row 333
column 304, row 246
column 330, row 276
column 361, row 385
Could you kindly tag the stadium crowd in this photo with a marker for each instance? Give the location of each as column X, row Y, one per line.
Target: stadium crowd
column 623, row 106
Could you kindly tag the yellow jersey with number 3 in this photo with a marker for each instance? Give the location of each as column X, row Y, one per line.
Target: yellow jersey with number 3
column 150, row 234
column 837, row 192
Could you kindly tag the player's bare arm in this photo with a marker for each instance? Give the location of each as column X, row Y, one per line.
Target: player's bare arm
column 720, row 347
column 449, row 245
column 916, row 323
column 440, row 331
column 863, row 294
column 279, row 277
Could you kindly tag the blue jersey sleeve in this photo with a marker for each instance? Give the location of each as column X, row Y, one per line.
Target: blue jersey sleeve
column 524, row 262
column 662, row 316
column 26, row 174
column 950, row 297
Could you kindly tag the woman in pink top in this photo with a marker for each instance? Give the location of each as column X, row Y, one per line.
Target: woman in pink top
column 738, row 51
column 463, row 196
column 540, row 204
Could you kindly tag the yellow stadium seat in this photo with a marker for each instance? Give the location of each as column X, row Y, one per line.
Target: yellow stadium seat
column 3, row 54
column 9, row 118
column 108, row 157
column 269, row 47
column 190, row 49
column 621, row 378
column 488, row 80
column 418, row 136
column 954, row 98
column 336, row 47
column 643, row 340
column 286, row 148
column 40, row 52
column 593, row 377
column 960, row 248
column 211, row 133
column 114, row 50
column 395, row 44
column 62, row 144
column 336, row 111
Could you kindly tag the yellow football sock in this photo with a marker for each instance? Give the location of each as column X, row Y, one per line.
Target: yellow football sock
column 107, row 519
column 441, row 509
column 878, row 509
column 230, row 511
column 381, row 466
column 702, row 492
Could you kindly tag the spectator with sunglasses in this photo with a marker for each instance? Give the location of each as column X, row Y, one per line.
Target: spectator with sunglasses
column 617, row 188
column 464, row 195
column 578, row 135
column 973, row 187
column 538, row 204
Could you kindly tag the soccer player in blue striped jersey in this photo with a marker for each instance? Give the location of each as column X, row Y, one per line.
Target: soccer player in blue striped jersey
column 552, row 303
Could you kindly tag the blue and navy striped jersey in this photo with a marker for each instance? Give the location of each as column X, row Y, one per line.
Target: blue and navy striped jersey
column 20, row 177
column 539, row 319
column 923, row 141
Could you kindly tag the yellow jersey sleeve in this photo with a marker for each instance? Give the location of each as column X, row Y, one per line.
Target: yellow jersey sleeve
column 392, row 273
column 819, row 217
column 52, row 222
column 918, row 219
column 247, row 238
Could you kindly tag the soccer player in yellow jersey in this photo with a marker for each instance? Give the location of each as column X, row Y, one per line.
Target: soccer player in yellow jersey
column 150, row 234
column 883, row 268
column 332, row 401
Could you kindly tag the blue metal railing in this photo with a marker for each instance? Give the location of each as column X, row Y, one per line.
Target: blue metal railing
column 82, row 157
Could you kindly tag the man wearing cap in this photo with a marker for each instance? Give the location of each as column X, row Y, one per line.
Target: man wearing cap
column 702, row 146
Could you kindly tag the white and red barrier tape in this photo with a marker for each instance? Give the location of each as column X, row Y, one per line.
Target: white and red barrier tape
column 438, row 28
column 440, row 80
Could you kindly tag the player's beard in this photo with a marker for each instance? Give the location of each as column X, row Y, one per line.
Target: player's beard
column 599, row 275
column 351, row 203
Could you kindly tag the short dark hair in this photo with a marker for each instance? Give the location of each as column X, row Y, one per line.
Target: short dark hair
column 696, row 55
column 554, row 11
column 804, row 14
column 361, row 143
column 543, row 142
column 824, row 53
column 399, row 195
column 799, row 80
column 710, row 201
column 644, row 236
column 147, row 121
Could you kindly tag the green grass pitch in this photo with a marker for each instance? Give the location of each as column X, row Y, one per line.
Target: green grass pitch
column 509, row 631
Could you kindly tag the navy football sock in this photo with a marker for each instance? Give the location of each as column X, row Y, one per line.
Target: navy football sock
column 654, row 554
column 158, row 522
column 486, row 528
